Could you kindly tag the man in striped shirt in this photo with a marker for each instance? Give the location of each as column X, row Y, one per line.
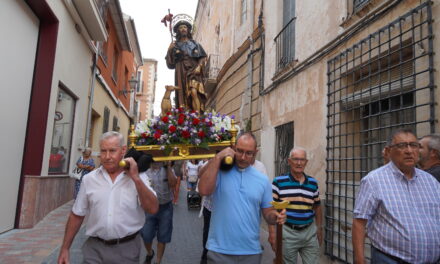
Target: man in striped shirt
column 398, row 207
column 300, row 233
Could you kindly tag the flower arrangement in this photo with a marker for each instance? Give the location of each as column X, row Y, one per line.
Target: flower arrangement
column 180, row 126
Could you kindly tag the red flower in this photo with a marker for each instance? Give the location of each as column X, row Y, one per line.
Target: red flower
column 185, row 134
column 180, row 121
column 165, row 119
column 156, row 135
column 168, row 113
column 209, row 124
column 182, row 116
column 144, row 135
column 172, row 129
column 181, row 109
column 196, row 121
column 201, row 134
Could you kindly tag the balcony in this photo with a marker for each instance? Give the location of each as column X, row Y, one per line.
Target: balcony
column 211, row 72
column 285, row 46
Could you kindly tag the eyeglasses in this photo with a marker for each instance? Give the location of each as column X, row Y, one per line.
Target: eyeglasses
column 404, row 145
column 248, row 154
column 301, row 160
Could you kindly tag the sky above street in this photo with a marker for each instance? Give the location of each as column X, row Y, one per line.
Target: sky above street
column 154, row 37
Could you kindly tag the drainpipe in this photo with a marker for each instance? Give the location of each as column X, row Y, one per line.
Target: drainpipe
column 262, row 45
column 92, row 91
column 247, row 95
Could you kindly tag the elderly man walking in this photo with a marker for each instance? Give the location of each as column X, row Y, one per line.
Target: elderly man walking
column 430, row 155
column 398, row 207
column 114, row 201
column 302, row 231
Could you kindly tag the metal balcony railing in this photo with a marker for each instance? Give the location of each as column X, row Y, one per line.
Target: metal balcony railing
column 285, row 45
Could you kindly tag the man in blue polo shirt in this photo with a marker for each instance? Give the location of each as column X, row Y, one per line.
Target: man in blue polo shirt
column 240, row 196
column 300, row 233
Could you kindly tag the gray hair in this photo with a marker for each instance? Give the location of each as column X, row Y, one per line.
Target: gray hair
column 434, row 143
column 297, row 148
column 398, row 132
column 247, row 134
column 111, row 134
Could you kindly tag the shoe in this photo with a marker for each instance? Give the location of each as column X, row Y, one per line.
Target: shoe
column 149, row 258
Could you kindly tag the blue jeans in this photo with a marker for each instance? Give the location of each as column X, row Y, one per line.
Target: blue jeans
column 160, row 224
column 379, row 257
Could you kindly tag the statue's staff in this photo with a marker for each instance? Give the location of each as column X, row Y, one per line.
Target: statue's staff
column 169, row 18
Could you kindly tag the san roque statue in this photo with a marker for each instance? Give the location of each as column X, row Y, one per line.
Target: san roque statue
column 188, row 59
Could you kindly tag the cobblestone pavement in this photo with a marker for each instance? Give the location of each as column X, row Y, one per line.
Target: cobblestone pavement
column 41, row 243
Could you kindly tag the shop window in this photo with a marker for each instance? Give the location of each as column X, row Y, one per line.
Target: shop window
column 62, row 132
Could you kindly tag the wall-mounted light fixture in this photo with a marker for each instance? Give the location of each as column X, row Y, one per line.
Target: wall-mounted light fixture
column 133, row 83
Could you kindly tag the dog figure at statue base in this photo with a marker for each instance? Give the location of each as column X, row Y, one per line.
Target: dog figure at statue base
column 166, row 100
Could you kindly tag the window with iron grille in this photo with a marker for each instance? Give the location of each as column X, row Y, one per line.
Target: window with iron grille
column 105, row 123
column 382, row 83
column 285, row 40
column 283, row 145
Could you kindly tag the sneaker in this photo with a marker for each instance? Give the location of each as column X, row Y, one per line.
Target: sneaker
column 149, row 258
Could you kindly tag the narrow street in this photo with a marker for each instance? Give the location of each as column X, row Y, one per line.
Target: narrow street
column 41, row 243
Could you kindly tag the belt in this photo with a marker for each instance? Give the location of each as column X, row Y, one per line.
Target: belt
column 396, row 259
column 297, row 227
column 117, row 240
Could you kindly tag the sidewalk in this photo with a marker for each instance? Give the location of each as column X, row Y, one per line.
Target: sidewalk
column 41, row 243
column 35, row 244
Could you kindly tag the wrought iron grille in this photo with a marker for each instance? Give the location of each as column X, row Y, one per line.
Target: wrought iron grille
column 285, row 45
column 283, row 145
column 382, row 83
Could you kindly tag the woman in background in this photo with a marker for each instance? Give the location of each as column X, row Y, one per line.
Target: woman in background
column 87, row 164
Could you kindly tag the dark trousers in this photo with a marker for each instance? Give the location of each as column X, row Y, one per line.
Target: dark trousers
column 206, row 222
column 378, row 256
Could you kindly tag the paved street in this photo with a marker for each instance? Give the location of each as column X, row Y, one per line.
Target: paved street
column 41, row 243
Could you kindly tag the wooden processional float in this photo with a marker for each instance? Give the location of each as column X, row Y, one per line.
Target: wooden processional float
column 183, row 151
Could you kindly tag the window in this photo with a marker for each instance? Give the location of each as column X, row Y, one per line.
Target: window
column 382, row 83
column 126, row 87
column 62, row 132
column 283, row 145
column 102, row 46
column 105, row 123
column 243, row 9
column 285, row 40
column 139, row 85
column 115, row 124
column 115, row 65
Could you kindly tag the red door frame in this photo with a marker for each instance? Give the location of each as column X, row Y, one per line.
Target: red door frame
column 40, row 95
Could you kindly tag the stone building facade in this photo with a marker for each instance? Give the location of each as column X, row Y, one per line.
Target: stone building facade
column 337, row 77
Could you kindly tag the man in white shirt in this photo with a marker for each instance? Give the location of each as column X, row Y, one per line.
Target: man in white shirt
column 114, row 201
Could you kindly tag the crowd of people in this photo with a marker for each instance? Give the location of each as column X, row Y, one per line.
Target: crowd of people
column 397, row 206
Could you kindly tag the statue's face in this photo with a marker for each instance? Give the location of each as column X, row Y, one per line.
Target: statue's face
column 183, row 30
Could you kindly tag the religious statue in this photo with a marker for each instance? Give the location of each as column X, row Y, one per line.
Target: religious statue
column 188, row 58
